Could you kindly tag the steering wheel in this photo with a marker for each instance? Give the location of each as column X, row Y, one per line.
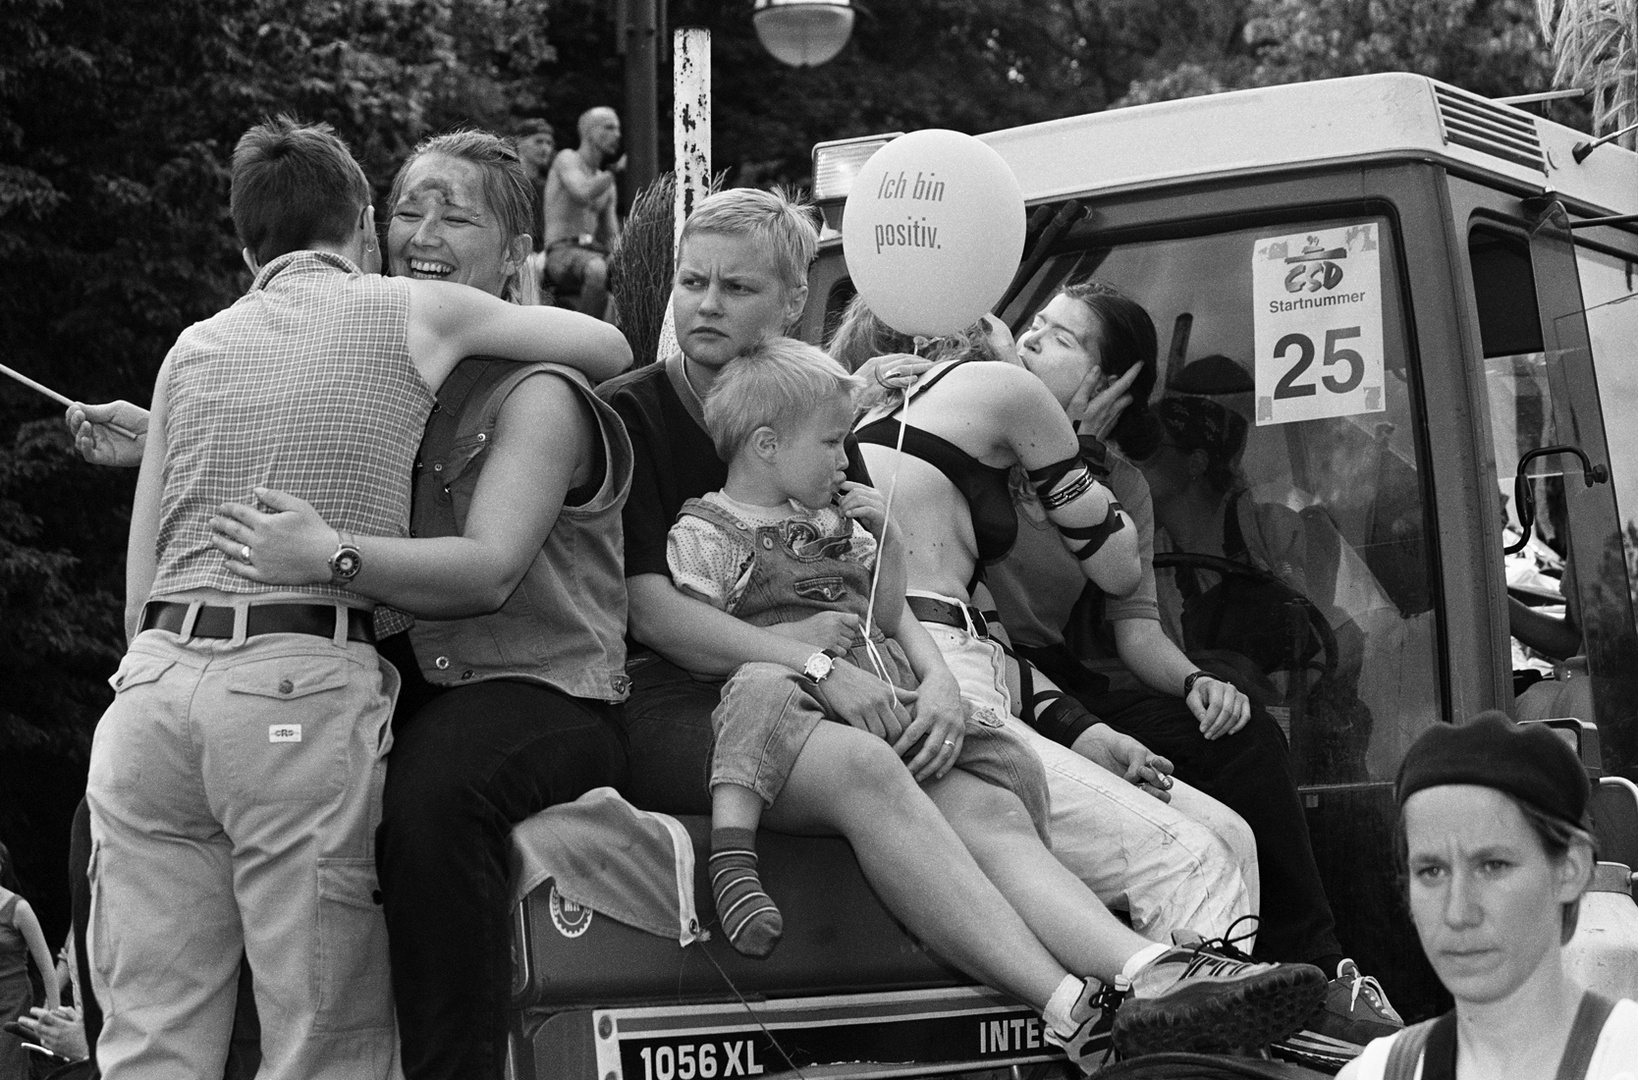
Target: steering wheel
column 1326, row 664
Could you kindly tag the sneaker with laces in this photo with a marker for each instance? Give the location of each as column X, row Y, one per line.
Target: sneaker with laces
column 1355, row 1009
column 1093, row 1013
column 1199, row 997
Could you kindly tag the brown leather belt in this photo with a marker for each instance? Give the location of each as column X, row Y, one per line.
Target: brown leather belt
column 217, row 622
column 961, row 616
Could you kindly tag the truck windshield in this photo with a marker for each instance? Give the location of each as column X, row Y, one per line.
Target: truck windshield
column 1287, row 475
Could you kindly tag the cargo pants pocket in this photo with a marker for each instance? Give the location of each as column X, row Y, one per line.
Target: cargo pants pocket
column 97, row 945
column 354, row 983
column 118, row 742
column 291, row 727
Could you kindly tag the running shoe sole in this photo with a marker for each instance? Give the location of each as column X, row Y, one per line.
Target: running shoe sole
column 1206, row 1016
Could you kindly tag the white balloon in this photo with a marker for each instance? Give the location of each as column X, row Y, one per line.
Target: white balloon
column 933, row 231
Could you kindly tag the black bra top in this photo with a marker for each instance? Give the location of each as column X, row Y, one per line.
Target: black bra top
column 984, row 487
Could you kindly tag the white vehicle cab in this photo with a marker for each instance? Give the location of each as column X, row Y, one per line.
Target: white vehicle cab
column 1425, row 294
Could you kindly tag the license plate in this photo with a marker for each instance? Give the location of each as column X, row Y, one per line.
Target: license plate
column 965, row 1025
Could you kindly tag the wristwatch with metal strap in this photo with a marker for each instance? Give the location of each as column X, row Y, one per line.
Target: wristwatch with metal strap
column 347, row 560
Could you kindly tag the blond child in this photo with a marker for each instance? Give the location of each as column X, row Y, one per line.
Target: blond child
column 788, row 538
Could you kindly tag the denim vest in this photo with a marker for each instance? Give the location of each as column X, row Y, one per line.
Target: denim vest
column 565, row 623
column 798, row 571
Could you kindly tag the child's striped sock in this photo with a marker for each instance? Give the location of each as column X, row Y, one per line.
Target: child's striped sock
column 747, row 913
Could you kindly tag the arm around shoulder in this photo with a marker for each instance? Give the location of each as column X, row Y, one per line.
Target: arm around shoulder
column 449, row 322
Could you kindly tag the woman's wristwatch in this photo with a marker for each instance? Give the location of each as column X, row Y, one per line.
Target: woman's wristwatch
column 347, row 560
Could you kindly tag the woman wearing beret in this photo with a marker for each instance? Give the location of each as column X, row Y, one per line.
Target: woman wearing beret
column 1494, row 831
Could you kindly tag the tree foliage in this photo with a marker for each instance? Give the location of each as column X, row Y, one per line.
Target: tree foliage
column 1491, row 47
column 1595, row 46
column 116, row 124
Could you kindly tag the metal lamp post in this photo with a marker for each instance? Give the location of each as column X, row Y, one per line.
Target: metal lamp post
column 638, row 31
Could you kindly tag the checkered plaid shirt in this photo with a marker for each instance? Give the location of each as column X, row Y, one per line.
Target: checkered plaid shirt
column 304, row 385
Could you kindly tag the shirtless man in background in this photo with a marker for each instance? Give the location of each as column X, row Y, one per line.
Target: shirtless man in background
column 581, row 226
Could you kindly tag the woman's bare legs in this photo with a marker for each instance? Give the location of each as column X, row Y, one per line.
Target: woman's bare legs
column 1065, row 915
column 848, row 781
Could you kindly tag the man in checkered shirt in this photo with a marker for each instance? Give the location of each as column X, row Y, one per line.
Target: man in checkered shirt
column 235, row 781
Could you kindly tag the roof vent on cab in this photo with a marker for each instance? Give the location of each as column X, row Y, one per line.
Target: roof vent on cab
column 1480, row 124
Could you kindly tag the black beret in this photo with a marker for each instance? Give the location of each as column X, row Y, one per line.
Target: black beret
column 1528, row 762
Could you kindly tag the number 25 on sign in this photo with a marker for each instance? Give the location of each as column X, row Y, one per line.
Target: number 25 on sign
column 1318, row 322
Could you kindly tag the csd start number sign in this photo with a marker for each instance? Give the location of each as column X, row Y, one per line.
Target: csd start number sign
column 1318, row 321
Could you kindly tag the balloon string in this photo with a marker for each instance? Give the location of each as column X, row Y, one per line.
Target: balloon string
column 887, row 516
column 766, row 1030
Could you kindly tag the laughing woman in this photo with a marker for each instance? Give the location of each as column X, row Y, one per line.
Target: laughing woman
column 516, row 575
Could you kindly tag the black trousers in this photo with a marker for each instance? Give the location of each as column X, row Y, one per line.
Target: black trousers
column 669, row 717
column 1250, row 773
column 464, row 768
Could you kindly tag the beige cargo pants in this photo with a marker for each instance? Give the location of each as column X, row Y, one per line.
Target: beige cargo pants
column 234, row 791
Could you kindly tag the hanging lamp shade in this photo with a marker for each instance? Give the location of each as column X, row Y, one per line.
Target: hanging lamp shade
column 803, row 33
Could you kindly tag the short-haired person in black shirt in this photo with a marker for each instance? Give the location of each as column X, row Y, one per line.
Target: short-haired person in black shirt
column 740, row 278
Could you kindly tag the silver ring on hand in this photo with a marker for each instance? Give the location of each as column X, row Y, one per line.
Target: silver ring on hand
column 894, row 379
column 949, row 742
column 244, row 554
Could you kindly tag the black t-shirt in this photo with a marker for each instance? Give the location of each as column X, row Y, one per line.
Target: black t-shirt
column 672, row 461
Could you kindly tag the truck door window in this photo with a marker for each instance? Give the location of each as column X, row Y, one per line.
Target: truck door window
column 1610, row 285
column 1522, row 418
column 1569, row 601
column 1329, row 614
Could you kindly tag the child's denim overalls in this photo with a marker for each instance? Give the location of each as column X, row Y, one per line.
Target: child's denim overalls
column 767, row 710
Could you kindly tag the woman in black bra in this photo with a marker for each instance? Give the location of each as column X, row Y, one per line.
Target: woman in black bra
column 973, row 416
column 1086, row 335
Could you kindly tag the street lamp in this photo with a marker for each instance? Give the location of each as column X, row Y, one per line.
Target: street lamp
column 803, row 33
